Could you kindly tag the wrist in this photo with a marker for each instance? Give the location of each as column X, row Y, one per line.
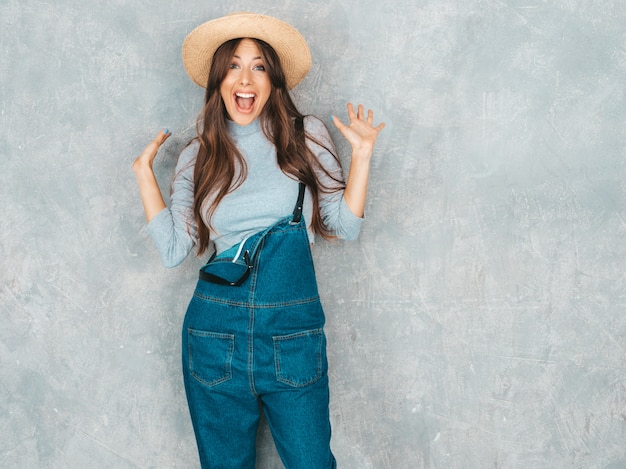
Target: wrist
column 361, row 161
column 362, row 154
column 141, row 167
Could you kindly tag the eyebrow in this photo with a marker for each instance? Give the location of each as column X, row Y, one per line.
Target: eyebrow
column 254, row 58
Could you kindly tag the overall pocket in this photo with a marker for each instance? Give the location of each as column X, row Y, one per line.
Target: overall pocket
column 300, row 358
column 210, row 356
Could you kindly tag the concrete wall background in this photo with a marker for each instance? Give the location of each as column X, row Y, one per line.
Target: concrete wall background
column 478, row 322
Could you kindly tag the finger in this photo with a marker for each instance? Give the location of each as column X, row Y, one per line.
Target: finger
column 379, row 127
column 351, row 113
column 360, row 113
column 340, row 125
column 162, row 136
column 370, row 116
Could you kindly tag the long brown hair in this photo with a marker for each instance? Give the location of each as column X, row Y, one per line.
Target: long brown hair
column 220, row 168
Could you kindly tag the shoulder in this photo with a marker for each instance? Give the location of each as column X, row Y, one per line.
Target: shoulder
column 318, row 134
column 314, row 126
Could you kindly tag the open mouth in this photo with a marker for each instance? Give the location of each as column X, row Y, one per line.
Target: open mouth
column 244, row 101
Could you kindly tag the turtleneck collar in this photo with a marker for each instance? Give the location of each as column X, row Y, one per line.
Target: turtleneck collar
column 237, row 130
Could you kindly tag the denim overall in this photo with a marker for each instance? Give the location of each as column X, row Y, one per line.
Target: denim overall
column 260, row 345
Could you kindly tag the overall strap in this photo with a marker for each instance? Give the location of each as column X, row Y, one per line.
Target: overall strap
column 297, row 211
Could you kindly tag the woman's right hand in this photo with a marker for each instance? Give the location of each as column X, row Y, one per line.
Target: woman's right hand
column 149, row 190
column 146, row 158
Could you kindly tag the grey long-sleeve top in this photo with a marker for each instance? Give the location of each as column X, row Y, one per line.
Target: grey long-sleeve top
column 265, row 196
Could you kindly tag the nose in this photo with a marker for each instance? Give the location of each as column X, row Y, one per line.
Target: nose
column 245, row 76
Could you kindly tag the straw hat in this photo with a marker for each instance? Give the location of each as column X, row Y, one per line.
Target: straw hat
column 201, row 43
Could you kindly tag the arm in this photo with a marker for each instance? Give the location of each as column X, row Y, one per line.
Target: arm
column 148, row 187
column 362, row 135
column 172, row 229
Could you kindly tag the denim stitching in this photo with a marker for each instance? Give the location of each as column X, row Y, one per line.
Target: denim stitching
column 247, row 304
column 252, row 291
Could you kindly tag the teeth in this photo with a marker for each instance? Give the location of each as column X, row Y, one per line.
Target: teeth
column 244, row 95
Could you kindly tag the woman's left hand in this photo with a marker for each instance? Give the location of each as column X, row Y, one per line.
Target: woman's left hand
column 360, row 132
column 362, row 135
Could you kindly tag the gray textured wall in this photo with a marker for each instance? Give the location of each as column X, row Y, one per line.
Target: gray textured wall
column 478, row 322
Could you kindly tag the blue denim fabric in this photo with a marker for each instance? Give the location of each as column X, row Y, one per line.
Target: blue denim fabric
column 260, row 346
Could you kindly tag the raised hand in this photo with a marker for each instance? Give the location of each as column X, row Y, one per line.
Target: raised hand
column 360, row 131
column 148, row 187
column 146, row 158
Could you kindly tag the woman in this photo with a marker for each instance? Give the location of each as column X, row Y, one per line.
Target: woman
column 254, row 187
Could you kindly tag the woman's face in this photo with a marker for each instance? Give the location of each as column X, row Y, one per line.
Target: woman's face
column 246, row 87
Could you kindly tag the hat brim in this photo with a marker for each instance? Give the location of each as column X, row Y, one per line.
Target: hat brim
column 201, row 43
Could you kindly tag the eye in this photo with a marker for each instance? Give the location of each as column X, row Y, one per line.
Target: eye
column 259, row 68
column 233, row 66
